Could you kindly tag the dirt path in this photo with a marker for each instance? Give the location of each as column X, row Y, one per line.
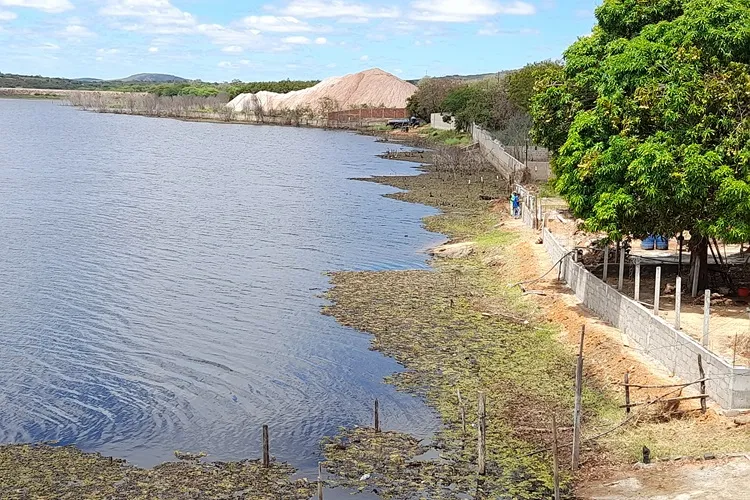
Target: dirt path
column 725, row 479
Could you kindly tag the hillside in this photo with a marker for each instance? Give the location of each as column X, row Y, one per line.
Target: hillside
column 153, row 78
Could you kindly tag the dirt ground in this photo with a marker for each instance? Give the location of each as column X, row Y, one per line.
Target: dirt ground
column 607, row 356
column 722, row 479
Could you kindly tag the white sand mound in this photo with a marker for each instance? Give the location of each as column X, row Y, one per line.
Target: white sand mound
column 372, row 88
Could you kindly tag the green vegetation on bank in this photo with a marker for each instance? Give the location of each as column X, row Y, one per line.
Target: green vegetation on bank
column 182, row 88
column 460, row 327
column 41, row 471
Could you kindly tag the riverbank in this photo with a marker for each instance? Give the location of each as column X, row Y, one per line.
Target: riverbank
column 463, row 327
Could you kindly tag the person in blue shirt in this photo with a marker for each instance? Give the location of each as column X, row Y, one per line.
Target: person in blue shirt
column 516, row 203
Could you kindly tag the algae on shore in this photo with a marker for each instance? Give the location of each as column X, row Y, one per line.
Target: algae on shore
column 42, row 471
column 460, row 328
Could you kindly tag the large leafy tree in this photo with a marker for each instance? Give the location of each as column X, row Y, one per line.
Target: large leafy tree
column 650, row 120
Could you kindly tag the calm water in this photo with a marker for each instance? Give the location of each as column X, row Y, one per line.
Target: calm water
column 160, row 281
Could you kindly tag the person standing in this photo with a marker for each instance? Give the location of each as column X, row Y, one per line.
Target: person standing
column 515, row 201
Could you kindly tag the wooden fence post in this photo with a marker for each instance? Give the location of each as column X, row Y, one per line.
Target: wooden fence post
column 320, row 480
column 482, row 443
column 627, row 392
column 377, row 416
column 621, row 279
column 637, row 295
column 578, row 401
column 703, row 383
column 605, row 273
column 266, row 448
column 706, row 317
column 657, row 291
column 462, row 409
column 555, row 459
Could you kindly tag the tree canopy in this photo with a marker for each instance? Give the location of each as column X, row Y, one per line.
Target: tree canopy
column 649, row 122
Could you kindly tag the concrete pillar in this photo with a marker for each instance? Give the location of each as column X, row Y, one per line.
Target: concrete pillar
column 657, row 291
column 622, row 270
column 637, row 295
column 706, row 317
column 606, row 263
column 677, row 302
column 695, row 277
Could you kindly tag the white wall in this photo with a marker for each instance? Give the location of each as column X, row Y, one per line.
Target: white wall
column 437, row 122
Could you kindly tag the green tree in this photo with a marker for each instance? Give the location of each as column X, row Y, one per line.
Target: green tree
column 429, row 96
column 650, row 122
column 521, row 83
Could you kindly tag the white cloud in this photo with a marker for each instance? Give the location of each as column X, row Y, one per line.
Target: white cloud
column 7, row 15
column 492, row 30
column 232, row 49
column 278, row 24
column 364, row 58
column 107, row 52
column 460, row 11
column 153, row 50
column 296, row 40
column 49, row 46
column 226, row 37
column 321, row 41
column 331, row 65
column 338, row 8
column 152, row 16
column 234, row 65
column 77, row 31
column 53, row 6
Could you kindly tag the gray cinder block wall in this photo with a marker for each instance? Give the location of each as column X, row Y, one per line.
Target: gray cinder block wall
column 674, row 350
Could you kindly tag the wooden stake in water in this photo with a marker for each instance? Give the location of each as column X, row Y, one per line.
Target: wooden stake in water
column 706, row 317
column 320, row 480
column 578, row 400
column 482, row 440
column 266, row 448
column 377, row 416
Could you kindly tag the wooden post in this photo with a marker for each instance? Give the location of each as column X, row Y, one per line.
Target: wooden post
column 702, row 375
column 621, row 280
column 706, row 317
column 696, row 277
column 482, row 427
column 646, row 455
column 320, row 480
column 605, row 273
column 462, row 408
column 266, row 448
column 637, row 295
column 627, row 392
column 678, row 302
column 578, row 398
column 657, row 291
column 555, row 460
column 377, row 416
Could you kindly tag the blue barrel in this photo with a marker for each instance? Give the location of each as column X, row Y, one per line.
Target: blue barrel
column 662, row 243
column 648, row 242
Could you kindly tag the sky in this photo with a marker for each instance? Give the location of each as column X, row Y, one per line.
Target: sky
column 223, row 40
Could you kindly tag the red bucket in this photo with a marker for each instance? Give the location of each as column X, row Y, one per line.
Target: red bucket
column 743, row 292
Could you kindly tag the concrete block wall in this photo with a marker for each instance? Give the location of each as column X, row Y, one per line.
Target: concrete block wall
column 437, row 122
column 677, row 352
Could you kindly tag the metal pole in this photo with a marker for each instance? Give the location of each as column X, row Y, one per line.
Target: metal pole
column 637, row 295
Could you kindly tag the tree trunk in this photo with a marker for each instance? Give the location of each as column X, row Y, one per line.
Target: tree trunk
column 699, row 253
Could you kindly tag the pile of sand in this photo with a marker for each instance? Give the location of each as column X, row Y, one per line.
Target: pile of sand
column 371, row 88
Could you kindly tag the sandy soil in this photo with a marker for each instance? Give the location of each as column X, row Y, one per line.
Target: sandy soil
column 722, row 479
column 607, row 356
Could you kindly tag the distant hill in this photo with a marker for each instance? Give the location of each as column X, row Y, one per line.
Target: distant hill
column 153, row 78
column 470, row 78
